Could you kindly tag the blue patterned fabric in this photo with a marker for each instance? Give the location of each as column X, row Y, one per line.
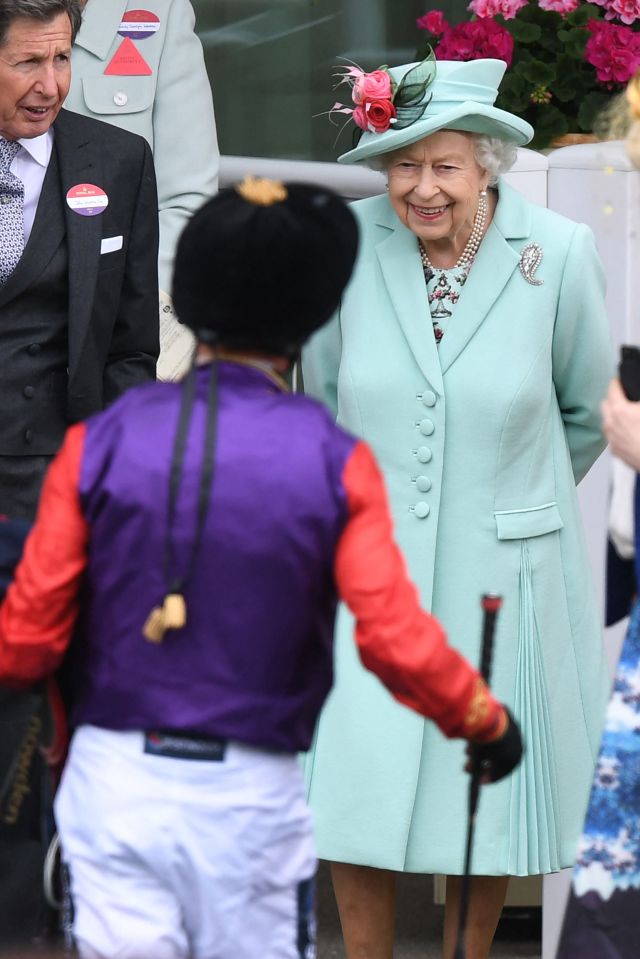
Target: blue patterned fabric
column 609, row 851
column 602, row 920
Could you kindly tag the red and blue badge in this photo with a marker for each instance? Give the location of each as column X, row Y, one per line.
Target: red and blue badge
column 87, row 199
column 139, row 24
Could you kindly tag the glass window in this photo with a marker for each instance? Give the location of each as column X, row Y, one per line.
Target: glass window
column 271, row 63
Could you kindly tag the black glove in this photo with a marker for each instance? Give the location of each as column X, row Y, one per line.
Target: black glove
column 495, row 760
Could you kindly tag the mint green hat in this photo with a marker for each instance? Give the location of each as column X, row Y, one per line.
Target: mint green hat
column 461, row 97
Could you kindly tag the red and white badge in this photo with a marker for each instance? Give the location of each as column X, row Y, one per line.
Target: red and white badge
column 87, row 199
column 139, row 24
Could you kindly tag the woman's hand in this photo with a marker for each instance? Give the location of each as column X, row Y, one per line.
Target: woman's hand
column 621, row 424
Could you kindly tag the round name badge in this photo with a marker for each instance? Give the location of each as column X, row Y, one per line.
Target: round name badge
column 87, row 199
column 139, row 24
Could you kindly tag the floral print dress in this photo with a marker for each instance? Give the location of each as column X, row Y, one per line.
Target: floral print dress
column 443, row 292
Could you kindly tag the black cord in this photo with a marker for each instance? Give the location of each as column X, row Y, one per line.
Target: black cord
column 176, row 582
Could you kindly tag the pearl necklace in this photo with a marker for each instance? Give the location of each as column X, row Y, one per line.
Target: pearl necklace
column 473, row 243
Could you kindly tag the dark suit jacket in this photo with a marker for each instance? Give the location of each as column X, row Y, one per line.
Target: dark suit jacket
column 113, row 297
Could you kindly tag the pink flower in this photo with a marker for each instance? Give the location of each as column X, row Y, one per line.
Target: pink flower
column 359, row 116
column 626, row 10
column 562, row 7
column 374, row 116
column 371, row 86
column 489, row 8
column 433, row 21
column 476, row 40
column 613, row 50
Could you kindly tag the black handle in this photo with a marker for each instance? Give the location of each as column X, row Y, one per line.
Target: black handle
column 491, row 604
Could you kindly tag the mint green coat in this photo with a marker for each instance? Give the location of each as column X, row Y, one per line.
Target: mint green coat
column 171, row 108
column 481, row 441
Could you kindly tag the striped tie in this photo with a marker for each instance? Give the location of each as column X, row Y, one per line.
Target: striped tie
column 11, row 212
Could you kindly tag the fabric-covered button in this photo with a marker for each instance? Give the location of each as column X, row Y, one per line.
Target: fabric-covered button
column 429, row 398
column 426, row 427
column 33, row 349
column 422, row 510
column 423, row 483
column 28, row 436
column 4, row 199
column 29, row 392
column 120, row 98
column 424, row 454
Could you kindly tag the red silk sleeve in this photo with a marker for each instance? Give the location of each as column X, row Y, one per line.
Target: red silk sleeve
column 41, row 605
column 403, row 645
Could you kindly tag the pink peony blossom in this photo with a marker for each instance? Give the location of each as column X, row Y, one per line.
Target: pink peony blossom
column 613, row 50
column 489, row 8
column 562, row 7
column 371, row 86
column 433, row 21
column 476, row 40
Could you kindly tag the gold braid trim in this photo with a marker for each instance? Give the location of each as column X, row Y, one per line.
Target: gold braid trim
column 262, row 192
column 478, row 708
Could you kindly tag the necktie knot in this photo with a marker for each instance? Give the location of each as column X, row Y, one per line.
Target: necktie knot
column 8, row 151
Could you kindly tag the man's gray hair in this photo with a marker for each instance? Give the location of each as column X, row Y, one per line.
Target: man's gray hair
column 43, row 10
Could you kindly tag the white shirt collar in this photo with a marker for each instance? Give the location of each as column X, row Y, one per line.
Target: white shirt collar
column 39, row 148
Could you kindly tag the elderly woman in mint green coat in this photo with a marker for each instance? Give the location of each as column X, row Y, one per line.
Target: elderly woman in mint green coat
column 484, row 416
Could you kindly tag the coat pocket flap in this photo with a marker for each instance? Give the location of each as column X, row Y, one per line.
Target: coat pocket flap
column 534, row 521
column 106, row 96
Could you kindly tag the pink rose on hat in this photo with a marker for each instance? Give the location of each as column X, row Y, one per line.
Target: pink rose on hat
column 371, row 86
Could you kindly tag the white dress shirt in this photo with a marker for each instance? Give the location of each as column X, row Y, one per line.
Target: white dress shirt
column 30, row 165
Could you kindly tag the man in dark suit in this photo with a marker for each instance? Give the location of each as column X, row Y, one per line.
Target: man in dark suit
column 79, row 304
column 79, row 325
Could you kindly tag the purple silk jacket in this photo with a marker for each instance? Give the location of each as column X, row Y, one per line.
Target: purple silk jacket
column 254, row 661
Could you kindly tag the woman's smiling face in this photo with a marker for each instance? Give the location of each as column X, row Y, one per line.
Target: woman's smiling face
column 434, row 186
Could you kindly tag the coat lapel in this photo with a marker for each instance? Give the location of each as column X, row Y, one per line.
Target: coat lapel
column 401, row 267
column 80, row 162
column 100, row 24
column 495, row 262
column 46, row 235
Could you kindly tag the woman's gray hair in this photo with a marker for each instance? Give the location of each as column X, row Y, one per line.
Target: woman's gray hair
column 493, row 154
column 43, row 10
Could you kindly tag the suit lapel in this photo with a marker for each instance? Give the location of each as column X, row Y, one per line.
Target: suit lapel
column 403, row 276
column 46, row 235
column 80, row 162
column 494, row 264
